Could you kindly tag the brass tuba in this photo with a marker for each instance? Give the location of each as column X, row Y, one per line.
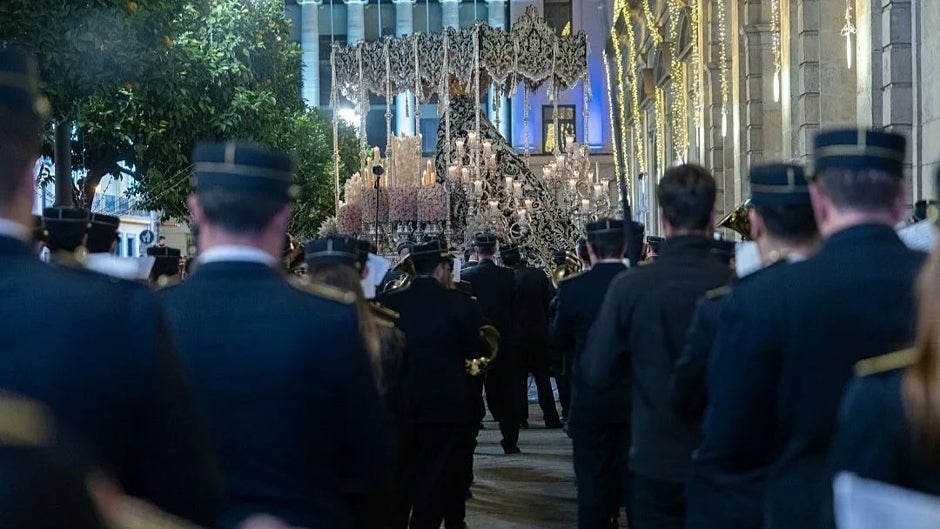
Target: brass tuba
column 738, row 220
column 406, row 271
column 570, row 267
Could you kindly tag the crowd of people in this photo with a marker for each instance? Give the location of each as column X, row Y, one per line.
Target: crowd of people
column 249, row 397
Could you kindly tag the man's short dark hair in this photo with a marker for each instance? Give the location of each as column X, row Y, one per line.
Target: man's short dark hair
column 99, row 241
column 488, row 251
column 686, row 195
column 792, row 223
column 19, row 148
column 237, row 211
column 608, row 245
column 869, row 191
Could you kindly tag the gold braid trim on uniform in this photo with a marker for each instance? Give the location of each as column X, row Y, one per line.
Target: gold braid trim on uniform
column 24, row 422
column 384, row 311
column 131, row 513
column 323, row 290
column 888, row 362
column 718, row 292
column 478, row 366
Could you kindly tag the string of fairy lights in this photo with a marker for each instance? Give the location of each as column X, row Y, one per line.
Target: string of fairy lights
column 633, row 60
column 660, row 114
column 610, row 104
column 680, row 119
column 775, row 45
column 681, row 104
column 651, row 23
column 723, row 64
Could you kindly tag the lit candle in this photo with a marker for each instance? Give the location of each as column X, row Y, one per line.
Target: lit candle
column 528, row 204
column 517, row 189
column 508, row 180
column 598, row 190
column 430, row 169
column 376, row 154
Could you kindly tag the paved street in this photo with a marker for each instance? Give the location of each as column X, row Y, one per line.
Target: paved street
column 534, row 489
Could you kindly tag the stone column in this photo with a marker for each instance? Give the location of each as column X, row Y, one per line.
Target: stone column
column 806, row 90
column 496, row 11
column 404, row 25
column 761, row 115
column 822, row 77
column 451, row 13
column 310, row 44
column 355, row 20
column 897, row 83
column 714, row 141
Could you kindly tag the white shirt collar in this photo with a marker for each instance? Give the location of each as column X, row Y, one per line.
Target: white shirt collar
column 8, row 228
column 239, row 253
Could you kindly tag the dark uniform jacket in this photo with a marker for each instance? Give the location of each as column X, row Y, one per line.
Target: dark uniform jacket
column 792, row 337
column 638, row 335
column 532, row 305
column 287, row 389
column 579, row 300
column 95, row 350
column 494, row 287
column 43, row 480
column 687, row 385
column 442, row 331
column 875, row 440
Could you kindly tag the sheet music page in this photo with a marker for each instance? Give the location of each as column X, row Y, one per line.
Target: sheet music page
column 866, row 504
column 919, row 236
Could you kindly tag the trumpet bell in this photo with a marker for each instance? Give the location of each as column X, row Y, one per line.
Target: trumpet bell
column 738, row 221
column 571, row 266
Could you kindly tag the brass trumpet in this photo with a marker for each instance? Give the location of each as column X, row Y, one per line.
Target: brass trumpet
column 570, row 267
column 738, row 220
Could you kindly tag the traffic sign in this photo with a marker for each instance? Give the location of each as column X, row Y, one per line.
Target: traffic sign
column 147, row 237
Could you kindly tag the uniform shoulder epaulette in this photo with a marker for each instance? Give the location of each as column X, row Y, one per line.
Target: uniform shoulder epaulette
column 167, row 282
column 66, row 259
column 884, row 363
column 718, row 292
column 567, row 278
column 384, row 311
column 24, row 422
column 322, row 290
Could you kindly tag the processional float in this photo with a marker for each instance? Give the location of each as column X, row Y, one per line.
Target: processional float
column 476, row 181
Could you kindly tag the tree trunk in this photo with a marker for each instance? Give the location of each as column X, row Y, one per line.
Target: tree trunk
column 89, row 186
column 63, row 164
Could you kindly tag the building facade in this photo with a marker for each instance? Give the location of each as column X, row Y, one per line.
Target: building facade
column 732, row 83
column 319, row 23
